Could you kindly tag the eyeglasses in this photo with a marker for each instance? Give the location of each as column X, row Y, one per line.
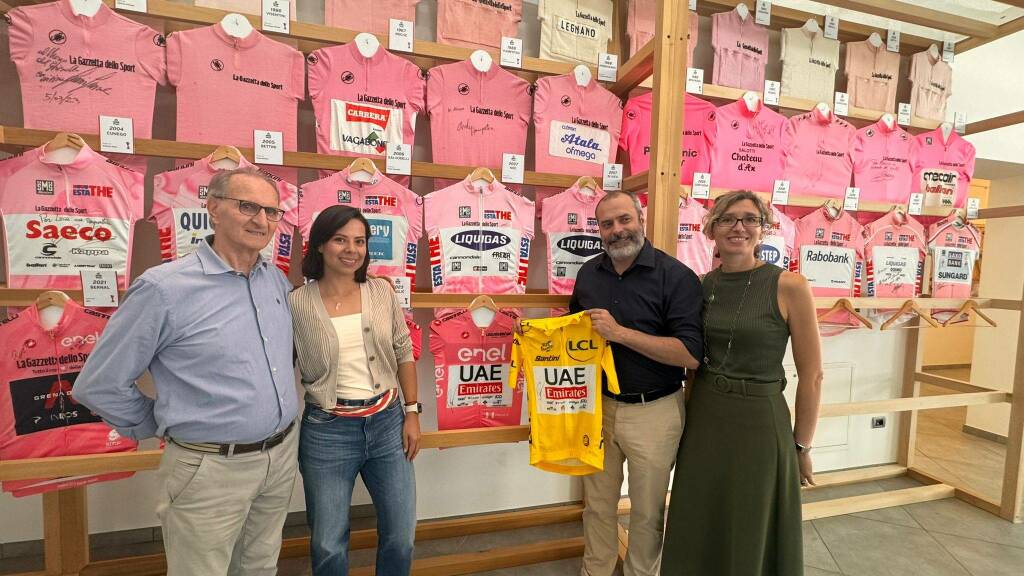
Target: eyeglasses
column 252, row 209
column 748, row 221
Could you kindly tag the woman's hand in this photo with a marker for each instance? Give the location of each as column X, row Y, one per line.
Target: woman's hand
column 411, row 435
column 806, row 469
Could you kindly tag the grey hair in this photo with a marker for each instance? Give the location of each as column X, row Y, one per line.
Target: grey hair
column 615, row 194
column 221, row 181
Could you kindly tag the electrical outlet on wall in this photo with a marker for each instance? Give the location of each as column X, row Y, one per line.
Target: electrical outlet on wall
column 878, row 422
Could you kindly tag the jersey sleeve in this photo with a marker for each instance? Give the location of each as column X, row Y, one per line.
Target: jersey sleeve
column 969, row 155
column 289, row 195
column 298, row 76
column 435, row 88
column 788, row 138
column 627, row 130
column 20, row 34
column 174, row 54
column 608, row 365
column 516, row 364
column 415, row 87
column 540, row 100
column 527, row 213
column 318, row 71
column 149, row 50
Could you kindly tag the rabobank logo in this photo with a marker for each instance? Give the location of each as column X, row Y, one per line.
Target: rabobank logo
column 481, row 240
column 771, row 254
column 580, row 245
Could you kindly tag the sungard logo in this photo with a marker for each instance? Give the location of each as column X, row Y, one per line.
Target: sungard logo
column 344, row 196
column 580, row 245
column 497, row 215
column 70, row 341
column 380, row 201
column 94, row 191
column 481, row 240
column 44, row 187
column 36, row 229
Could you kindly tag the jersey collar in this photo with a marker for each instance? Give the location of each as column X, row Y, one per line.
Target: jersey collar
column 585, row 198
column 71, row 308
column 377, row 57
column 344, row 176
column 85, row 157
column 487, row 190
column 239, row 43
column 822, row 118
column 98, row 19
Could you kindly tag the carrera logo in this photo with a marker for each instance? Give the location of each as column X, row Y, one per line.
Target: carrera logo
column 376, row 116
column 480, row 354
column 70, row 341
column 566, row 101
column 497, row 215
column 44, row 187
column 583, row 246
column 94, row 191
column 37, row 229
column 159, row 40
column 380, row 201
column 312, row 59
column 481, row 240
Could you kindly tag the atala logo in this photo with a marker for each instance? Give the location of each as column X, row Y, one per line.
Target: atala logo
column 481, row 239
column 566, row 101
column 159, row 40
column 44, row 187
column 344, row 196
column 463, row 88
column 312, row 59
column 49, row 249
column 347, row 77
column 770, row 254
column 216, row 64
column 580, row 245
column 58, row 37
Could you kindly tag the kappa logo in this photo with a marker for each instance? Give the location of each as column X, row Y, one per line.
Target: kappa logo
column 216, row 64
column 465, row 212
column 159, row 40
column 463, row 88
column 44, row 187
column 573, row 218
column 312, row 59
column 347, row 77
column 566, row 101
column 58, row 37
column 344, row 196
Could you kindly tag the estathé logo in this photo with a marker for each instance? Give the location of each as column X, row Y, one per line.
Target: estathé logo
column 89, row 190
column 827, row 257
column 580, row 245
column 481, row 239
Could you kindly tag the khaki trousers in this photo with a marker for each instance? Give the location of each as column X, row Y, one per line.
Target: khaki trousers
column 646, row 438
column 224, row 515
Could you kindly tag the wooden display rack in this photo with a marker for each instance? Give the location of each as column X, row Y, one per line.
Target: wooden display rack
column 65, row 512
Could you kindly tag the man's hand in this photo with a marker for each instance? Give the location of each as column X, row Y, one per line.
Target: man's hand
column 605, row 325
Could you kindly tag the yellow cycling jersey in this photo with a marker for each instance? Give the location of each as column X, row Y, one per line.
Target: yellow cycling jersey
column 561, row 360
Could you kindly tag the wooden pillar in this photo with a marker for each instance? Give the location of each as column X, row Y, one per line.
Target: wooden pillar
column 911, row 389
column 667, row 121
column 65, row 531
column 1013, row 472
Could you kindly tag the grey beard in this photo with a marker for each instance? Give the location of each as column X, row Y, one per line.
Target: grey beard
column 627, row 250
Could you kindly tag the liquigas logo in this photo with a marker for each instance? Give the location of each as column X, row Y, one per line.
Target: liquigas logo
column 481, row 240
column 580, row 245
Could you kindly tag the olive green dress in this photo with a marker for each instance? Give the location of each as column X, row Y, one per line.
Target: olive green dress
column 735, row 508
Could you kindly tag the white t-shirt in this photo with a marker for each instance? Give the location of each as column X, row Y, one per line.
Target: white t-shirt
column 354, row 381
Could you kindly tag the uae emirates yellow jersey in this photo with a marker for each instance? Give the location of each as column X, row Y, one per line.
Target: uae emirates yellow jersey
column 561, row 360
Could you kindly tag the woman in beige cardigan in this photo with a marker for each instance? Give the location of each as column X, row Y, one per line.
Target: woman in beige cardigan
column 354, row 354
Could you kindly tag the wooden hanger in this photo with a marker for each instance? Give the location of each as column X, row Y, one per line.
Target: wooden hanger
column 834, row 207
column 909, row 306
column 965, row 310
column 226, row 153
column 587, row 182
column 65, row 140
column 51, row 298
column 844, row 304
column 362, row 165
column 482, row 173
column 483, row 301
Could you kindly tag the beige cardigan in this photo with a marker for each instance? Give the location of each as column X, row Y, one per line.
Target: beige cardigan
column 385, row 337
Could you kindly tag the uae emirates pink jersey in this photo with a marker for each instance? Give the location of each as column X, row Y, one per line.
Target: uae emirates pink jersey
column 373, row 17
column 75, row 68
column 640, row 22
column 955, row 247
column 471, row 370
column 746, row 147
column 363, row 104
column 693, row 248
column 894, row 247
column 831, row 257
column 394, row 212
column 479, row 239
column 62, row 219
column 944, row 169
column 39, row 416
column 698, row 126
column 228, row 87
column 779, row 242
column 817, row 154
column 476, row 117
column 478, row 23
column 179, row 212
column 883, row 163
column 573, row 235
column 576, row 126
column 741, row 50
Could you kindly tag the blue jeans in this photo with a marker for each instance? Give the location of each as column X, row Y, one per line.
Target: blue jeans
column 332, row 450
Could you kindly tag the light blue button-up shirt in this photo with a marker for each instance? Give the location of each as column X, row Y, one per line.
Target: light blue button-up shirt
column 218, row 344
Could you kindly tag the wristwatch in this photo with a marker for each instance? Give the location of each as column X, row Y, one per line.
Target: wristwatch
column 801, row 449
column 413, row 407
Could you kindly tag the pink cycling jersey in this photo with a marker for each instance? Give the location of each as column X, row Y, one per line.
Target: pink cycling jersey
column 831, row 257
column 778, row 245
column 471, row 369
column 746, row 147
column 393, row 211
column 693, row 248
column 698, row 125
column 894, row 246
column 573, row 235
column 363, row 104
column 955, row 246
column 577, row 127
column 228, row 87
column 817, row 154
column 179, row 212
column 373, row 17
column 75, row 68
column 741, row 51
column 883, row 163
column 478, row 23
column 640, row 25
column 39, row 416
column 479, row 239
column 944, row 169
column 62, row 219
column 476, row 117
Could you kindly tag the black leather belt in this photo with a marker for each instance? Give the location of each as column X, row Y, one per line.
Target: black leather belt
column 236, row 449
column 642, row 397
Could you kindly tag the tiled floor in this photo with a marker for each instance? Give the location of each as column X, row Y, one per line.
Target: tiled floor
column 946, row 537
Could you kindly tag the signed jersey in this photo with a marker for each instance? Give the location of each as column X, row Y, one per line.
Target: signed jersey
column 894, row 246
column 577, row 126
column 955, row 247
column 746, row 147
column 573, row 235
column 831, row 257
column 471, row 371
column 817, row 154
column 561, row 360
column 944, row 169
column 39, row 416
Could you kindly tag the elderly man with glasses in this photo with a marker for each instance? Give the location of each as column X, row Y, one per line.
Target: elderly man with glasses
column 214, row 330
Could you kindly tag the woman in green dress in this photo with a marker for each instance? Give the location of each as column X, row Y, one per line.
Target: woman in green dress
column 735, row 508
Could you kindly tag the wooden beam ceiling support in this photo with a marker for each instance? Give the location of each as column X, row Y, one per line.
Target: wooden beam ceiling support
column 995, row 123
column 1011, row 27
column 919, row 15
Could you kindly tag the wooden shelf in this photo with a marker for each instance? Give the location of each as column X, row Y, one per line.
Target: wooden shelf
column 816, row 201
